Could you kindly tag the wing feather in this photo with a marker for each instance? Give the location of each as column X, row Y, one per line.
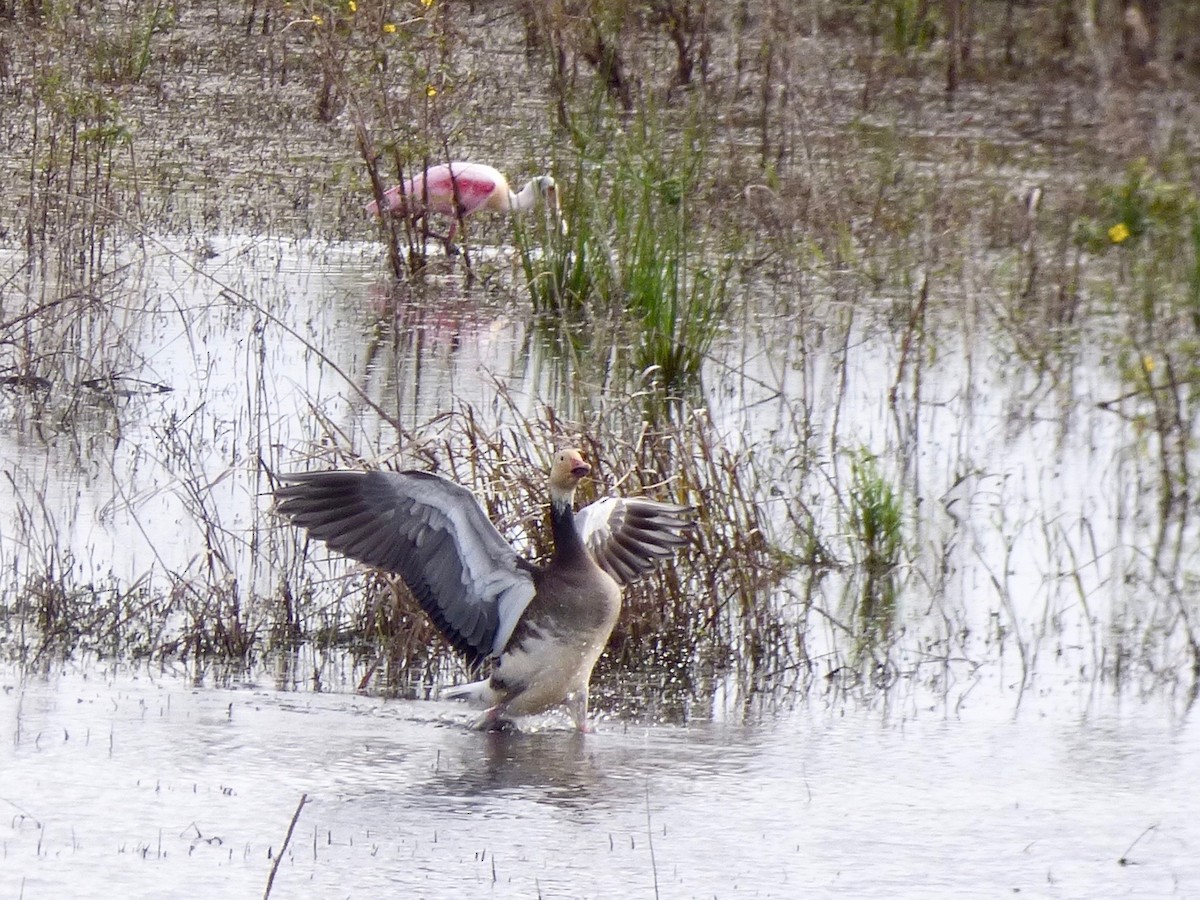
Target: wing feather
column 628, row 536
column 429, row 531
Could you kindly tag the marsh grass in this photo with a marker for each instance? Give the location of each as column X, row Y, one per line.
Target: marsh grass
column 69, row 357
column 122, row 51
column 57, row 605
column 74, row 204
column 1149, row 222
column 691, row 618
column 672, row 268
column 1147, row 225
column 393, row 72
column 640, row 245
column 566, row 269
column 877, row 534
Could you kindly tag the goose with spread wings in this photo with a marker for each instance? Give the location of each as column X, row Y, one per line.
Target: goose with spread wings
column 542, row 626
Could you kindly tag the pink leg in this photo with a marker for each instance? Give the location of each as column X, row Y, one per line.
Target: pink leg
column 452, row 248
column 492, row 720
column 577, row 706
column 447, row 239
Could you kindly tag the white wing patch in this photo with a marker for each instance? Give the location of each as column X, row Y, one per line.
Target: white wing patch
column 628, row 536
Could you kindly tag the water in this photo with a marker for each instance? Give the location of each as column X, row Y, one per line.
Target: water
column 264, row 344
column 116, row 783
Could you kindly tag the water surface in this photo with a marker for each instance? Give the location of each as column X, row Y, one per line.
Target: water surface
column 121, row 783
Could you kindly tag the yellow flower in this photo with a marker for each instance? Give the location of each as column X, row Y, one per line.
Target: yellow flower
column 427, row 3
column 430, row 91
column 389, row 28
column 317, row 20
column 352, row 6
column 1118, row 233
column 1148, row 364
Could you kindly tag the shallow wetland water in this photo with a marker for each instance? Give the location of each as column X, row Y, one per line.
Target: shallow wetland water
column 147, row 786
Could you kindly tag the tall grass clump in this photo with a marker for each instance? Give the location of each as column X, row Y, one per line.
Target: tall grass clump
column 907, row 25
column 123, row 50
column 643, row 242
column 670, row 280
column 564, row 263
column 876, row 530
column 75, row 200
column 672, row 275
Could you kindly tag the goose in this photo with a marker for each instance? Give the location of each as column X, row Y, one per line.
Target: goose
column 542, row 627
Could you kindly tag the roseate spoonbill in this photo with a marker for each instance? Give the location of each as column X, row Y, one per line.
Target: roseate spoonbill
column 542, row 627
column 458, row 189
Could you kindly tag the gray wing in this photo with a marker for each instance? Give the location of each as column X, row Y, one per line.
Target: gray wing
column 429, row 531
column 628, row 536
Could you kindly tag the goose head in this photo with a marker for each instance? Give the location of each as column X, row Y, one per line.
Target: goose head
column 568, row 469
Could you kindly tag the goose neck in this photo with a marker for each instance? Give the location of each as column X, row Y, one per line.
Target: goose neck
column 567, row 542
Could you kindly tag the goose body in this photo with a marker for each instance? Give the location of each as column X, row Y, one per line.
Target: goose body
column 459, row 189
column 542, row 627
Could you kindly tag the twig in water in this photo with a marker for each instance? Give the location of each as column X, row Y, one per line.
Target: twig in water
column 650, row 840
column 1125, row 860
column 287, row 838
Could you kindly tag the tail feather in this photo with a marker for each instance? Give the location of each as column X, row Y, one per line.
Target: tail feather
column 477, row 693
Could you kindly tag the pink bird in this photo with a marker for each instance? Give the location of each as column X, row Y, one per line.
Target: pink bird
column 458, row 189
